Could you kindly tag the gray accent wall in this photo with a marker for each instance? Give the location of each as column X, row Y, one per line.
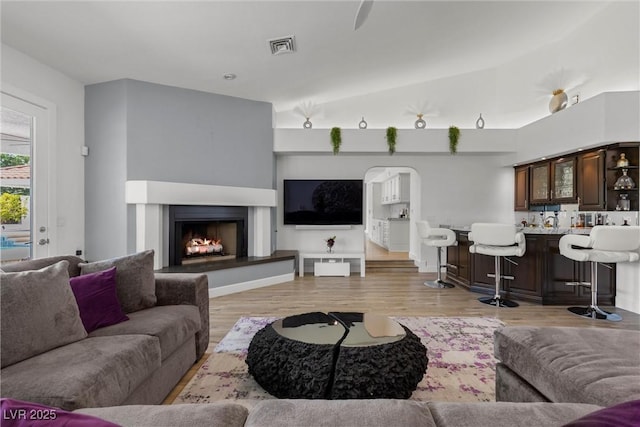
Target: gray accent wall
column 144, row 131
column 182, row 135
column 105, row 170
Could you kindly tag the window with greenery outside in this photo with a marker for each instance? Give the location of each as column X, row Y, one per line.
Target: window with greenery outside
column 12, row 208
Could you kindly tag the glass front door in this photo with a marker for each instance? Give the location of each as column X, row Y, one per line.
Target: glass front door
column 24, row 183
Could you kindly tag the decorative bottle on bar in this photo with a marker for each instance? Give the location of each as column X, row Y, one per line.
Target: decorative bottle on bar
column 622, row 162
column 624, row 182
column 624, row 204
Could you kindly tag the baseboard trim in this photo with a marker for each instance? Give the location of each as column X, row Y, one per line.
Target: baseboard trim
column 252, row 284
column 416, row 260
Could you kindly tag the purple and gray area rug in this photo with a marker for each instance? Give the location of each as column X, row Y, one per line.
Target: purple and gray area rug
column 460, row 350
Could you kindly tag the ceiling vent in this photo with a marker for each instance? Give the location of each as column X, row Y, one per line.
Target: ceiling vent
column 282, row 45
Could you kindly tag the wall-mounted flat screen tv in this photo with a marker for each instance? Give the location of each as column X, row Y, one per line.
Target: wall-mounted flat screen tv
column 323, row 201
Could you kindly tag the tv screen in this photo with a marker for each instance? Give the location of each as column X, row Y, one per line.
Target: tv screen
column 323, row 201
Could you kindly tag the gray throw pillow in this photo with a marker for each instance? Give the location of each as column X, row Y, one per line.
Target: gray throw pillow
column 135, row 281
column 39, row 263
column 38, row 312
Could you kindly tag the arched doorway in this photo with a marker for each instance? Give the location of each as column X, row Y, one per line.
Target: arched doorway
column 392, row 205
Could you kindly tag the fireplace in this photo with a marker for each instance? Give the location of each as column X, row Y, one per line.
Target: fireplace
column 153, row 200
column 207, row 233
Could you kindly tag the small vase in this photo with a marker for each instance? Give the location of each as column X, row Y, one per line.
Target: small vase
column 420, row 123
column 362, row 124
column 330, row 249
column 307, row 124
column 558, row 101
column 480, row 122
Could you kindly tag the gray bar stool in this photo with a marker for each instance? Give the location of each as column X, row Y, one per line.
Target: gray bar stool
column 497, row 240
column 604, row 244
column 438, row 238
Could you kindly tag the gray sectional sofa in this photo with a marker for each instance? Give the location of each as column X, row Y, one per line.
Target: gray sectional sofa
column 48, row 357
column 345, row 413
column 599, row 366
column 556, row 376
column 546, row 376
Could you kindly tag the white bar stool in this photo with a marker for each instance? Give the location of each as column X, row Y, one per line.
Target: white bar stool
column 438, row 238
column 497, row 240
column 604, row 244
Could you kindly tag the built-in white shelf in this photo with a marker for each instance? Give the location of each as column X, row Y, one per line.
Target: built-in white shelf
column 409, row 141
column 340, row 268
column 607, row 117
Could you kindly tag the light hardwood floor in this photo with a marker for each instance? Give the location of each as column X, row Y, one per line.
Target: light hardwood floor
column 374, row 252
column 391, row 294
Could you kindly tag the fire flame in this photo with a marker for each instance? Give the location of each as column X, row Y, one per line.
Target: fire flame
column 204, row 246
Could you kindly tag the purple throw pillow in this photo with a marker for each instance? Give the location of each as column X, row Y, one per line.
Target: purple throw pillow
column 625, row 414
column 17, row 413
column 97, row 299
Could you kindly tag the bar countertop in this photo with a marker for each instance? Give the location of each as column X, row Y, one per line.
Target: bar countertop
column 536, row 230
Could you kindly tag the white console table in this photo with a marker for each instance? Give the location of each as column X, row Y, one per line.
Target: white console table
column 330, row 255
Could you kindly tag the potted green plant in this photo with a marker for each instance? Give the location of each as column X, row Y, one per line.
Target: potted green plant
column 12, row 210
column 336, row 139
column 392, row 134
column 454, row 136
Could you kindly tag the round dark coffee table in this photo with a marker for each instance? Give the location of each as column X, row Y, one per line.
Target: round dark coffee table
column 337, row 356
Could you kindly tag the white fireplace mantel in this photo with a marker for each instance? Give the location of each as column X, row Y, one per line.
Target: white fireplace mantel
column 179, row 193
column 151, row 198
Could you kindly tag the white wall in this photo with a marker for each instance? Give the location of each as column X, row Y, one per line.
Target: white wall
column 606, row 118
column 32, row 77
column 455, row 190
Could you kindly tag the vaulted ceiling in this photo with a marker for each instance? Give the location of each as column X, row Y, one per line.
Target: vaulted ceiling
column 192, row 44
